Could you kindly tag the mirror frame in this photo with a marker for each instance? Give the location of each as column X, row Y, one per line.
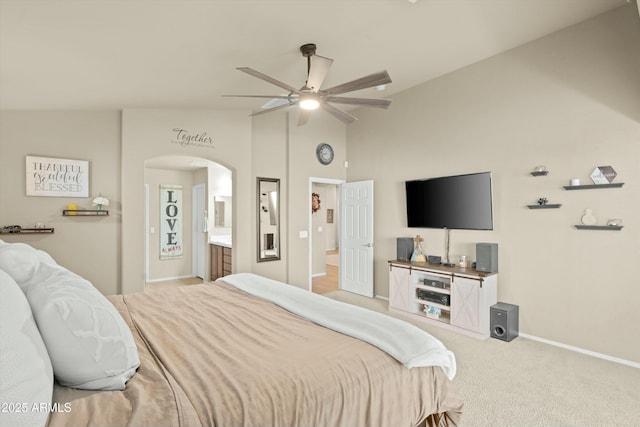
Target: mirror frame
column 259, row 210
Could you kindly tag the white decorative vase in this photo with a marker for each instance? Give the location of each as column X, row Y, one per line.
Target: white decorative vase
column 588, row 218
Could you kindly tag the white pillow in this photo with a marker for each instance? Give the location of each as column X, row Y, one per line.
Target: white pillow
column 26, row 376
column 21, row 261
column 90, row 345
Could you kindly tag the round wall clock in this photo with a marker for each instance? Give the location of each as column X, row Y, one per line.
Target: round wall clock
column 324, row 153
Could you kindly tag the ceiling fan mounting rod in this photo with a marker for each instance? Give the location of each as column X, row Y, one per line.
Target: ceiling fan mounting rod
column 308, row 50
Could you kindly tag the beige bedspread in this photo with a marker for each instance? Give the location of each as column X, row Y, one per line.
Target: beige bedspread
column 212, row 355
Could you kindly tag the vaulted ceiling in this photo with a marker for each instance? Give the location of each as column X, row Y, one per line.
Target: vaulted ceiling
column 115, row 54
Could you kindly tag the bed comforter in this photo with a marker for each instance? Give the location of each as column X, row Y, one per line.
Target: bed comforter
column 212, row 355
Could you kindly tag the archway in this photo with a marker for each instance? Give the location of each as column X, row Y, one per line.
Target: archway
column 198, row 212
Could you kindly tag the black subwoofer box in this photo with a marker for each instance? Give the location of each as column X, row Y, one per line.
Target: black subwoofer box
column 504, row 321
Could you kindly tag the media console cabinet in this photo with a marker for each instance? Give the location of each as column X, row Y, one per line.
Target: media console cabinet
column 470, row 295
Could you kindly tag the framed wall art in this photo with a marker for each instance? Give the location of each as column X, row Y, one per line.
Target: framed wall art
column 171, row 237
column 52, row 177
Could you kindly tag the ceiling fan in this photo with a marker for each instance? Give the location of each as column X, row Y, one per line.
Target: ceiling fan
column 311, row 96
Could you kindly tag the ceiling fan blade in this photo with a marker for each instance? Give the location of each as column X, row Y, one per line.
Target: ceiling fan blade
column 363, row 102
column 375, row 79
column 266, row 78
column 279, row 107
column 304, row 116
column 318, row 71
column 343, row 116
column 258, row 96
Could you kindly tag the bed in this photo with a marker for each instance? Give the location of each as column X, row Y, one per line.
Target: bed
column 217, row 355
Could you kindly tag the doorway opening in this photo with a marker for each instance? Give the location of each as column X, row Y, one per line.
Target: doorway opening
column 324, row 238
column 200, row 189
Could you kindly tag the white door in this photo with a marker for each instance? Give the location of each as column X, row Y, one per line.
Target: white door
column 199, row 230
column 356, row 243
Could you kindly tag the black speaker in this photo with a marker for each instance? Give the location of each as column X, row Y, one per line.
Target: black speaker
column 404, row 248
column 504, row 321
column 487, row 257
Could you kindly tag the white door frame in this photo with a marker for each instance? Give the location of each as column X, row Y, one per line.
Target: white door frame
column 316, row 180
column 198, row 246
column 146, row 233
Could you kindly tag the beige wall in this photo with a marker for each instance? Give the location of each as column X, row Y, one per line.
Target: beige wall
column 109, row 251
column 303, row 166
column 283, row 150
column 570, row 101
column 149, row 133
column 88, row 246
column 269, row 160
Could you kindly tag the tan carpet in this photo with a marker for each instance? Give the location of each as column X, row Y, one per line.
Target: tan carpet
column 528, row 383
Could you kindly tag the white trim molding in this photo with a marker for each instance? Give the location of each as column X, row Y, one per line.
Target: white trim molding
column 164, row 279
column 582, row 350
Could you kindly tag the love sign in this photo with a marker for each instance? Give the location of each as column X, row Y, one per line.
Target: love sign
column 171, row 237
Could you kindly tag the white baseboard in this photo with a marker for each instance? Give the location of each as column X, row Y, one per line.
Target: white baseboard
column 318, row 274
column 566, row 346
column 582, row 350
column 164, row 279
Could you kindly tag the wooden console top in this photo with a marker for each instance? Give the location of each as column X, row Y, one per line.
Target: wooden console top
column 442, row 268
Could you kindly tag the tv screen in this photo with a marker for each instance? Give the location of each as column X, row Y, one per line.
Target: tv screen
column 457, row 202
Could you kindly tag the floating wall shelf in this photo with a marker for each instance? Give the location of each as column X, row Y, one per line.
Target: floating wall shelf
column 548, row 206
column 592, row 186
column 84, row 212
column 541, row 173
column 29, row 231
column 599, row 227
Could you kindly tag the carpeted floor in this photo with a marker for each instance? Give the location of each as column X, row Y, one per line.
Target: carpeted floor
column 528, row 383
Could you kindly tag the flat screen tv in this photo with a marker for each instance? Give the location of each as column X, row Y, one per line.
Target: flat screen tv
column 461, row 202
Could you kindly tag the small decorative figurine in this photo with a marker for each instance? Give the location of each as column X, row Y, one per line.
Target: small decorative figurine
column 542, row 201
column 588, row 218
column 418, row 254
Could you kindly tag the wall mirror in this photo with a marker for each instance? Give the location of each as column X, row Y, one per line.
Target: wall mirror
column 268, row 203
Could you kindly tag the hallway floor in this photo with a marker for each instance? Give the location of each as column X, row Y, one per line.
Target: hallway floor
column 330, row 281
column 153, row 286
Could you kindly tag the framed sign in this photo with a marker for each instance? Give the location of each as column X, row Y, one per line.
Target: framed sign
column 171, row 237
column 51, row 177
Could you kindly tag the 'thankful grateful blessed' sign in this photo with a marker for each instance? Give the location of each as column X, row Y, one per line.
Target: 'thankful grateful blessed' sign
column 57, row 177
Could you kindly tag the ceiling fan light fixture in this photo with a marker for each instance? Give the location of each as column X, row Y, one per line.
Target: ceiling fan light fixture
column 309, row 102
column 310, row 96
